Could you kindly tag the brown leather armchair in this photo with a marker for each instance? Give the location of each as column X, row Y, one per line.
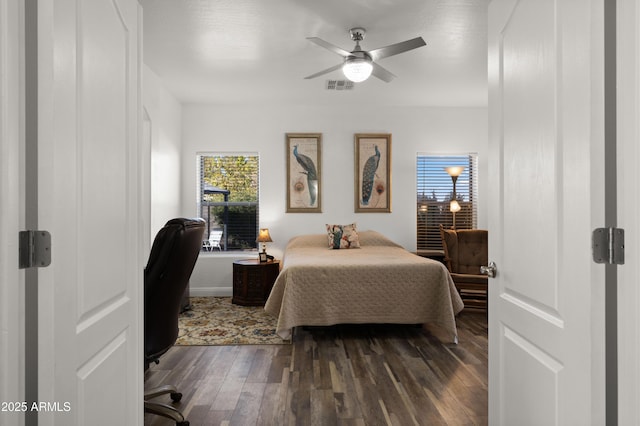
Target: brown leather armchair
column 465, row 251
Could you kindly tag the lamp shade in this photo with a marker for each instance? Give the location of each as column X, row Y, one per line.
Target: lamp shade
column 357, row 69
column 263, row 236
column 454, row 206
column 454, row 170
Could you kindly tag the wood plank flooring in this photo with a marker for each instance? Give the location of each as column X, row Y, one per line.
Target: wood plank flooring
column 341, row 375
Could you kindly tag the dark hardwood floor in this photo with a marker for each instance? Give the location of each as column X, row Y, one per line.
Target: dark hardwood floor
column 341, row 375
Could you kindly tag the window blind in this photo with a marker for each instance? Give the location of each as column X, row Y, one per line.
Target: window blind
column 435, row 191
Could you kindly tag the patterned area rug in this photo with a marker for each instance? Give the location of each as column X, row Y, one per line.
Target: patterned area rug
column 217, row 321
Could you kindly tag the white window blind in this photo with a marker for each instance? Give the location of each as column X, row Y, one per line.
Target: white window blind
column 228, row 188
column 435, row 192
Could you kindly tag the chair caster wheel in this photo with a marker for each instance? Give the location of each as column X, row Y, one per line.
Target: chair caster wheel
column 176, row 397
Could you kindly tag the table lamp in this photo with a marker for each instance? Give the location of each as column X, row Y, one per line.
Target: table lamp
column 264, row 238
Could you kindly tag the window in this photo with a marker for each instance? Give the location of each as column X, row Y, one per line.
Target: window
column 435, row 193
column 228, row 200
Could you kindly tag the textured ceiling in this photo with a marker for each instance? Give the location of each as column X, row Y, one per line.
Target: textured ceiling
column 255, row 51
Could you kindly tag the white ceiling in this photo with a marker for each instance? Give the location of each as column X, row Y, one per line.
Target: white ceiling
column 256, row 51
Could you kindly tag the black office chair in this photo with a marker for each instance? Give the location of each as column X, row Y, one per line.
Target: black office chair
column 171, row 261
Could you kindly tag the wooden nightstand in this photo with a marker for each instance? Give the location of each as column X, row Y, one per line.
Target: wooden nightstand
column 253, row 280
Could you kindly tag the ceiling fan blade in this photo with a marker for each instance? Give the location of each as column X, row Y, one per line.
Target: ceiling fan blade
column 394, row 49
column 327, row 71
column 382, row 73
column 329, row 46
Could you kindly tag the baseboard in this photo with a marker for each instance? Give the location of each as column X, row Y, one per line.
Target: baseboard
column 211, row 291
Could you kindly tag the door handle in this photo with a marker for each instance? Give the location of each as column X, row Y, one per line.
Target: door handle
column 490, row 270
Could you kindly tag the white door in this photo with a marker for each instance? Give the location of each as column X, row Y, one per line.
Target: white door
column 546, row 338
column 89, row 114
column 11, row 279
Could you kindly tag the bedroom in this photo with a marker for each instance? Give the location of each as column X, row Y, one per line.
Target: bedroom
column 452, row 119
column 335, row 124
column 254, row 112
column 441, row 124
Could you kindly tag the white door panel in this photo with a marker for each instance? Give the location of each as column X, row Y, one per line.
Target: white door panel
column 11, row 279
column 90, row 352
column 545, row 111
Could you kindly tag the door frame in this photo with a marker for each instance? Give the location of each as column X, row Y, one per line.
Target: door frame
column 628, row 202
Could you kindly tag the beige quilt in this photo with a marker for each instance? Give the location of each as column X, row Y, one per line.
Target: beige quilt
column 380, row 282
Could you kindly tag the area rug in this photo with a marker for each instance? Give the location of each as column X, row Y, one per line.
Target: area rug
column 217, row 321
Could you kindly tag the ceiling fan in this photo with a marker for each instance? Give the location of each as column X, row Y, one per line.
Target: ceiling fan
column 359, row 64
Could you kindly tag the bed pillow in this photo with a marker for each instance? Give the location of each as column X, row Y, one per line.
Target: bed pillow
column 343, row 236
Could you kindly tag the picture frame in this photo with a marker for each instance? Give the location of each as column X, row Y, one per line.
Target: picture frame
column 262, row 256
column 372, row 173
column 304, row 172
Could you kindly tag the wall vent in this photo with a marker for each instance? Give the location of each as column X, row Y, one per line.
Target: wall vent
column 340, row 85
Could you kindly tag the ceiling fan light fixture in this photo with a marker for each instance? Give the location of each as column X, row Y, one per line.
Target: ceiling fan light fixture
column 357, row 69
column 358, row 65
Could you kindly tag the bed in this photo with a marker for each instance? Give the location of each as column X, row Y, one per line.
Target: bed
column 380, row 282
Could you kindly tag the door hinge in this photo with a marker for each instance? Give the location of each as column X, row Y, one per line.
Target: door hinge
column 608, row 245
column 34, row 249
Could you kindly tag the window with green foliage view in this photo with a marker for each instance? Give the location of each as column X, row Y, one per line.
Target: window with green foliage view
column 228, row 188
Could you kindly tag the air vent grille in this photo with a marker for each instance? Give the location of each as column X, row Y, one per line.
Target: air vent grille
column 340, row 85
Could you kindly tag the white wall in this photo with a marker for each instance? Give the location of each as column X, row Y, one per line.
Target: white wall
column 164, row 113
column 262, row 129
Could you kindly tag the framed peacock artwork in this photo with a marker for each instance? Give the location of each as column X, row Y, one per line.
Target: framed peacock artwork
column 304, row 161
column 372, row 173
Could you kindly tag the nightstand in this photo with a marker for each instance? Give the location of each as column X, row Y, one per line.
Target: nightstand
column 253, row 280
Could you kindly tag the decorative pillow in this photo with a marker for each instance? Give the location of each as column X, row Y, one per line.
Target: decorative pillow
column 343, row 236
